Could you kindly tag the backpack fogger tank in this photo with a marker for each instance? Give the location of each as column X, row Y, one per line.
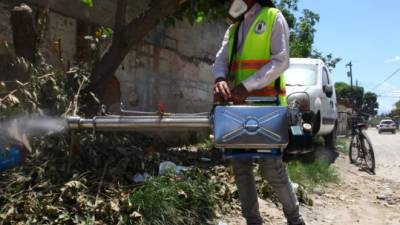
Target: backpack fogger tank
column 231, row 126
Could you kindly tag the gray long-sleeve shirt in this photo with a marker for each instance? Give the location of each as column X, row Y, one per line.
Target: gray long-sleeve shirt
column 279, row 49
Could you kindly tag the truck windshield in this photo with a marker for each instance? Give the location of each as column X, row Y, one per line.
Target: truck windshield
column 300, row 75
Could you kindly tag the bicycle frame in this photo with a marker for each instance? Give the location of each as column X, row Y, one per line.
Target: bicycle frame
column 360, row 139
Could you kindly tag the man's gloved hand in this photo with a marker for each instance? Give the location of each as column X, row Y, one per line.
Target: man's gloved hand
column 239, row 94
column 221, row 90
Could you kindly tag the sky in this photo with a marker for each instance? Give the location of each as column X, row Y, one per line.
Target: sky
column 367, row 33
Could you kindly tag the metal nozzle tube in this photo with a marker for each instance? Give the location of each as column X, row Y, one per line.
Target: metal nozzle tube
column 140, row 123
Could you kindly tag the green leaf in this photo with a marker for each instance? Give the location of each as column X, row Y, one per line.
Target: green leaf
column 200, row 17
column 88, row 3
column 108, row 32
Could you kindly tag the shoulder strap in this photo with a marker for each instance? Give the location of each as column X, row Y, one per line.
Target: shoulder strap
column 278, row 89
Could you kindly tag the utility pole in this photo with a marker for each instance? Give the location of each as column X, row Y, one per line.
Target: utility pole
column 350, row 74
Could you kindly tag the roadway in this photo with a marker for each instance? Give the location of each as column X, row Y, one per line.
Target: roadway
column 387, row 154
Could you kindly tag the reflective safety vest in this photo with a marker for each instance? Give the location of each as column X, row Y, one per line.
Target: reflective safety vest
column 255, row 53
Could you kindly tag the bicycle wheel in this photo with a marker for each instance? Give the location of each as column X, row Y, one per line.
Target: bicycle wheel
column 354, row 148
column 369, row 155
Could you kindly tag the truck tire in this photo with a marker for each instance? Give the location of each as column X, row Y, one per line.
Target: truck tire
column 330, row 139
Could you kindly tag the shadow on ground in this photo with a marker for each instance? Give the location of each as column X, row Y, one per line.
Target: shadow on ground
column 317, row 153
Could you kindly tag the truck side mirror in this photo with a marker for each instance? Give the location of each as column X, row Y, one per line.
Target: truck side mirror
column 328, row 89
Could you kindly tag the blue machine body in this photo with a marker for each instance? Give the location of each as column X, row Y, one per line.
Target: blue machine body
column 10, row 158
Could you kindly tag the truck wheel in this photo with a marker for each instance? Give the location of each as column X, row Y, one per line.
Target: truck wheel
column 330, row 139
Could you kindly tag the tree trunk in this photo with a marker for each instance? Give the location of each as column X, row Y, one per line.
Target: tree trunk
column 126, row 38
column 24, row 34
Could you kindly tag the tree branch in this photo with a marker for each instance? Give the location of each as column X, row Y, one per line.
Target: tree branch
column 124, row 40
column 120, row 15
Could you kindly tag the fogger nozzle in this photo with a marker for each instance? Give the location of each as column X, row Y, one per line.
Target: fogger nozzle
column 140, row 123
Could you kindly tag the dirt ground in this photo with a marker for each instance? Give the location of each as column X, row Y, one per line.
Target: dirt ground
column 359, row 198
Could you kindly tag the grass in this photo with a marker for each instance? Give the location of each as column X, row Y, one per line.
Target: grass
column 173, row 200
column 310, row 173
column 341, row 145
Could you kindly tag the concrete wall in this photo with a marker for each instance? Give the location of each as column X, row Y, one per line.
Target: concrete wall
column 171, row 66
column 60, row 40
column 8, row 71
column 5, row 29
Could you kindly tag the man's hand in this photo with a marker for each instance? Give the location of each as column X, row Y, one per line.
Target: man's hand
column 239, row 94
column 221, row 90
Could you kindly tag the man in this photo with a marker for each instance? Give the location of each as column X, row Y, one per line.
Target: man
column 254, row 54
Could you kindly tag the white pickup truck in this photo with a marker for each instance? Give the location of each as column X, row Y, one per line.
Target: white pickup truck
column 308, row 81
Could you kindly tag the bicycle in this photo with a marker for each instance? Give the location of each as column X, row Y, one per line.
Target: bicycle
column 361, row 151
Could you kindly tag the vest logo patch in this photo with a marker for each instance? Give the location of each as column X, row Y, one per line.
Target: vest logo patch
column 261, row 27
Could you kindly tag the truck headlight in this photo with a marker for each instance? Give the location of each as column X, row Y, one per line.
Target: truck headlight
column 301, row 99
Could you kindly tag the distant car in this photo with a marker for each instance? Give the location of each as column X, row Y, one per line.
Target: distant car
column 308, row 81
column 387, row 126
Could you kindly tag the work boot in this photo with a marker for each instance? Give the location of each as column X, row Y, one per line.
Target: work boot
column 300, row 223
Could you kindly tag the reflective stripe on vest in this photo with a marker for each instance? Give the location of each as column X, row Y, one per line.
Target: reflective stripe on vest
column 256, row 53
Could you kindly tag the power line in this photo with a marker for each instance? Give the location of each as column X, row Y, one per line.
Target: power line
column 388, row 78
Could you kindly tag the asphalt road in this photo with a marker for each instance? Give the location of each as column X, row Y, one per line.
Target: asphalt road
column 387, row 154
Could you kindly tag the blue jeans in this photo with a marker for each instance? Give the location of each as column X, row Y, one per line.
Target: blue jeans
column 275, row 173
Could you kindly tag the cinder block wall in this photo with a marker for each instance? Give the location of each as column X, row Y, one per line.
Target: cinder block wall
column 173, row 67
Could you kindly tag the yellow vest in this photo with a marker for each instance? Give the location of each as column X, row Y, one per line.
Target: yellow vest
column 256, row 52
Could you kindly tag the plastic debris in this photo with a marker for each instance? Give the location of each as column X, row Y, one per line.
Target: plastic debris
column 140, row 177
column 295, row 187
column 168, row 166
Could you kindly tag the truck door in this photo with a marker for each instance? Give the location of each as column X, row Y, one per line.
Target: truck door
column 328, row 102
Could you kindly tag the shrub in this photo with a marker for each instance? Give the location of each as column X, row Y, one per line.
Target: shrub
column 309, row 174
column 174, row 200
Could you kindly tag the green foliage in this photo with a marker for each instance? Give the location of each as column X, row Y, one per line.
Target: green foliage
column 370, row 104
column 365, row 103
column 329, row 60
column 196, row 11
column 397, row 105
column 395, row 113
column 174, row 199
column 302, row 33
column 288, row 7
column 88, row 3
column 341, row 145
column 312, row 173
